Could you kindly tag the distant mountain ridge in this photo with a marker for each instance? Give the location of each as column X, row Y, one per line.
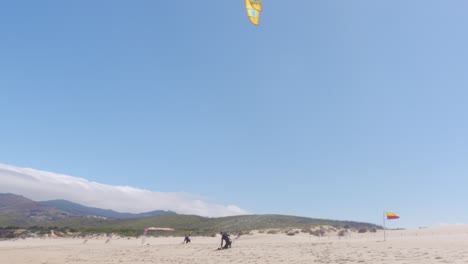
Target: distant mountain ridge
column 24, row 210
column 21, row 210
column 78, row 209
column 20, row 205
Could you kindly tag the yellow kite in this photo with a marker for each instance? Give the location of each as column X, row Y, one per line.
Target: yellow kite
column 256, row 4
column 253, row 7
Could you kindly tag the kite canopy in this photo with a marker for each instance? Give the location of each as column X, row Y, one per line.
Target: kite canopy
column 160, row 229
column 256, row 4
column 253, row 8
column 145, row 233
column 157, row 229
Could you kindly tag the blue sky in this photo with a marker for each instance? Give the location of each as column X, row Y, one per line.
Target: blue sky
column 329, row 109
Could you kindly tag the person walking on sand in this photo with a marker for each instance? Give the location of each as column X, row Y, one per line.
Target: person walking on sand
column 187, row 239
column 226, row 239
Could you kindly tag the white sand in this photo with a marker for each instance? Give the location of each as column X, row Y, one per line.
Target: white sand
column 431, row 245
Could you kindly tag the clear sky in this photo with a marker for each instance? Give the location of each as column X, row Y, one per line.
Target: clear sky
column 328, row 109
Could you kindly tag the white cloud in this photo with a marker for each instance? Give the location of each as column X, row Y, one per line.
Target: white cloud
column 41, row 186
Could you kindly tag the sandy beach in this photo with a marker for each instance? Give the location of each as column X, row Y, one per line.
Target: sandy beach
column 429, row 245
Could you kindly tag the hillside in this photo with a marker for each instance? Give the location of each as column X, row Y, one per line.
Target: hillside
column 18, row 209
column 198, row 225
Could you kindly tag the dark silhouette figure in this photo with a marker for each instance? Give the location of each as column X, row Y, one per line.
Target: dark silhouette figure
column 226, row 239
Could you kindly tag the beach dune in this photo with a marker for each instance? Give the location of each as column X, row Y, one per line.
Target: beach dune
column 429, row 245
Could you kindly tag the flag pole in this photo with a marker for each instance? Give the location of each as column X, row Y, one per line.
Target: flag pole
column 384, row 228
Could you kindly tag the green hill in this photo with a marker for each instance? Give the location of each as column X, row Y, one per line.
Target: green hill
column 18, row 211
column 198, row 225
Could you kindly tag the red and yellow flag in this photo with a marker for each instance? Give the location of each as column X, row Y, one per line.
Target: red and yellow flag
column 391, row 215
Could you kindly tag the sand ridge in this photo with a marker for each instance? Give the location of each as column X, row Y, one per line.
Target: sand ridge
column 431, row 245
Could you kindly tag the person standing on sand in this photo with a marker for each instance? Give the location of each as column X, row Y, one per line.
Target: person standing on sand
column 225, row 238
column 187, row 239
